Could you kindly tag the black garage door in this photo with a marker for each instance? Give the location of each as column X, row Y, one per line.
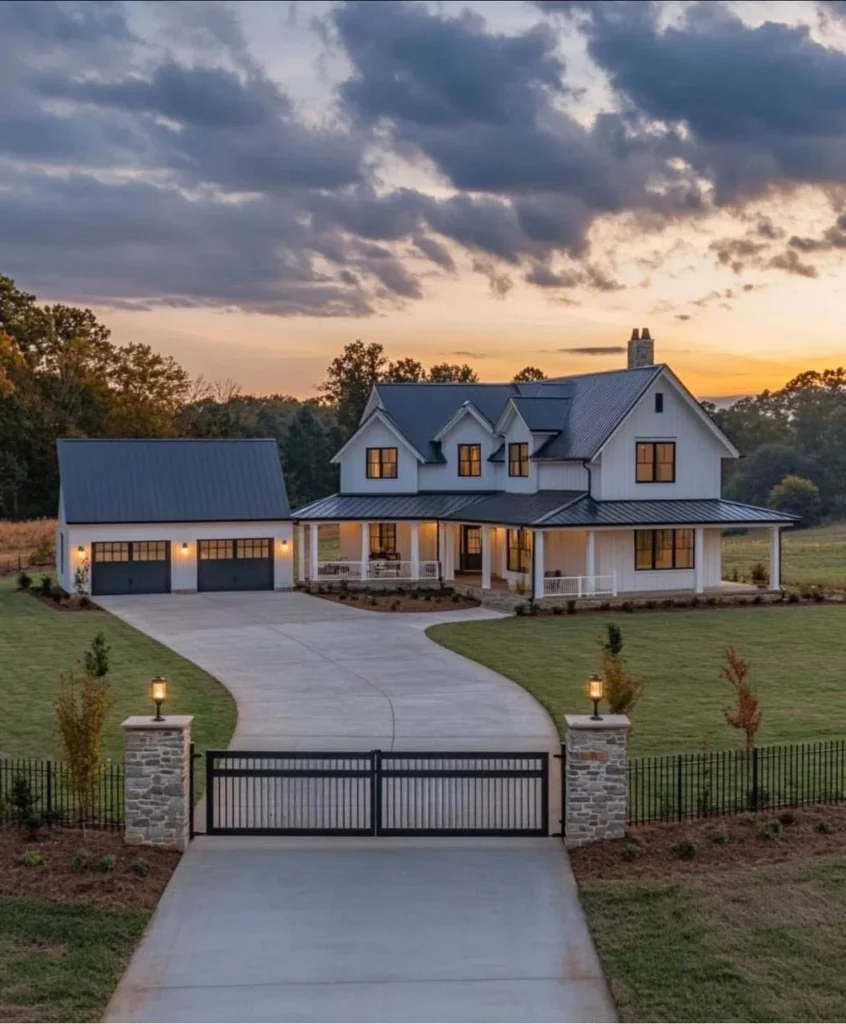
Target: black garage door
column 131, row 567
column 245, row 564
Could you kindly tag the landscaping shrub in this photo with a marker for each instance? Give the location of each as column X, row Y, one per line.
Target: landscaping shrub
column 141, row 867
column 824, row 827
column 817, row 594
column 45, row 586
column 572, row 607
column 710, row 601
column 718, row 835
column 757, row 599
column 82, row 708
column 427, row 597
column 758, row 574
column 684, row 849
column 622, row 690
column 106, row 863
column 30, row 859
column 394, row 605
column 557, row 610
column 57, row 595
column 627, row 606
column 613, row 644
column 456, row 598
column 23, row 807
column 631, row 851
column 793, row 597
column 650, row 604
column 787, row 818
column 668, row 602
column 520, row 609
column 85, row 601
column 694, row 602
column 533, row 608
column 24, row 581
column 97, row 657
column 81, row 860
column 353, row 597
column 769, row 830
column 605, row 606
column 343, row 596
column 748, row 711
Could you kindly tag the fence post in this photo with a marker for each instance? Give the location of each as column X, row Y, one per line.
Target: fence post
column 679, row 790
column 595, row 778
column 49, row 790
column 754, row 793
column 376, row 791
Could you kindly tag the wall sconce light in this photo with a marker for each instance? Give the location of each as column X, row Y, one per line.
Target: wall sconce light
column 158, row 695
column 284, row 544
column 596, row 691
column 185, row 547
column 80, row 550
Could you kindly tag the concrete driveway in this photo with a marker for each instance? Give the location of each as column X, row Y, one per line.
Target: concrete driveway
column 367, row 930
column 310, row 674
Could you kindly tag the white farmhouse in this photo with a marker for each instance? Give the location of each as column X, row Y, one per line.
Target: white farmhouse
column 603, row 484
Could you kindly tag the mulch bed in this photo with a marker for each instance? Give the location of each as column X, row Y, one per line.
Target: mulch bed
column 72, row 603
column 726, row 843
column 58, row 879
column 400, row 602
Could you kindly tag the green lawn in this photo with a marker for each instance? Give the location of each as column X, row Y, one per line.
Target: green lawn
column 808, row 556
column 752, row 945
column 62, row 961
column 38, row 643
column 797, row 655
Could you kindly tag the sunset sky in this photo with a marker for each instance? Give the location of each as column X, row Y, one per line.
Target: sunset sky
column 250, row 186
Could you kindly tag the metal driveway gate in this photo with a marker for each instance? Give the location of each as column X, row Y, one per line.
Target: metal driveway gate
column 373, row 793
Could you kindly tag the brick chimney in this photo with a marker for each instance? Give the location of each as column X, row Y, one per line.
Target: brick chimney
column 641, row 349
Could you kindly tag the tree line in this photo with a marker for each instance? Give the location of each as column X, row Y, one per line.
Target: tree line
column 61, row 375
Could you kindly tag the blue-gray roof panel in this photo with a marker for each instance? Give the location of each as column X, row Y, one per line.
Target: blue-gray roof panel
column 588, row 512
column 171, row 481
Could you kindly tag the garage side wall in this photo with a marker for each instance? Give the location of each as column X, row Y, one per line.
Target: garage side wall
column 183, row 564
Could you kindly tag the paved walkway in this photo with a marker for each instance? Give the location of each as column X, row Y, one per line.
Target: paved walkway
column 310, row 674
column 367, row 930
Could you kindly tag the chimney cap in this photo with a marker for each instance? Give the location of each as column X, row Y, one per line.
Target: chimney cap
column 644, row 334
column 635, row 335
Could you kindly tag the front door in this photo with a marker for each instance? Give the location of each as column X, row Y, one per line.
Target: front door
column 470, row 555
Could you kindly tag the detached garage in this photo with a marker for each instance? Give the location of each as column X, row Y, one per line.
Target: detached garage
column 160, row 516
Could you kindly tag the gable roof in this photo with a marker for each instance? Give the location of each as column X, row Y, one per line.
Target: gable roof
column 380, row 416
column 171, row 481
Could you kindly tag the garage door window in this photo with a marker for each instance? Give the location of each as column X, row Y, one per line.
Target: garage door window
column 111, row 551
column 253, row 548
column 215, row 550
column 149, row 551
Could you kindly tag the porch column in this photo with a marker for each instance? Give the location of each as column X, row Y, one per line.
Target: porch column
column 301, row 554
column 590, row 562
column 415, row 551
column 775, row 558
column 313, row 544
column 698, row 559
column 537, row 547
column 449, row 551
column 486, row 558
column 365, row 550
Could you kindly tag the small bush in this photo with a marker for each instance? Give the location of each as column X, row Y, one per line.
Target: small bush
column 650, row 604
column 30, row 859
column 572, row 607
column 684, row 849
column 605, row 606
column 520, row 609
column 85, row 601
column 81, row 860
column 141, row 867
column 24, row 581
column 758, row 574
column 824, row 827
column 817, row 594
column 427, row 597
column 718, row 835
column 769, row 830
column 354, row 597
column 57, row 595
column 106, row 863
column 694, row 602
column 631, row 851
column 45, row 586
column 394, row 605
column 557, row 610
column 787, row 818
column 533, row 608
column 757, row 599
column 710, row 601
column 793, row 597
column 456, row 598
column 668, row 602
column 627, row 606
column 343, row 596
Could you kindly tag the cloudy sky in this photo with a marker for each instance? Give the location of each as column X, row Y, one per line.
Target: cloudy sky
column 251, row 185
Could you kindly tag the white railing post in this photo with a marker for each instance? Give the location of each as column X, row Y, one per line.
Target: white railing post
column 614, row 583
column 590, row 560
column 579, row 586
column 537, row 546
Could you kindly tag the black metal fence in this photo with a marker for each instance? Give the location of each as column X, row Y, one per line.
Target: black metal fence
column 679, row 786
column 56, row 802
column 377, row 793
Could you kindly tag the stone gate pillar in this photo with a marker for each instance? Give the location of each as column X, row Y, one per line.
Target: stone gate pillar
column 157, row 797
column 595, row 778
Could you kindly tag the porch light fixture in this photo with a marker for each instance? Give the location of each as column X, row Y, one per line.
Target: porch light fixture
column 596, row 691
column 185, row 547
column 158, row 695
column 80, row 550
column 284, row 544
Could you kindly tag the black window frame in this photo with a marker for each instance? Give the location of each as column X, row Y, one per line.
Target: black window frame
column 659, row 401
column 518, row 550
column 382, row 531
column 375, row 468
column 214, row 549
column 245, row 548
column 467, row 464
column 142, row 549
column 654, row 462
column 675, row 549
column 111, row 551
column 521, row 461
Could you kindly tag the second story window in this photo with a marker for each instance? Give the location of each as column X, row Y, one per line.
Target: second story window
column 655, row 462
column 469, row 460
column 381, row 463
column 518, row 459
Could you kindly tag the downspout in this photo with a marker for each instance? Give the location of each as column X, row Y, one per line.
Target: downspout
column 586, row 464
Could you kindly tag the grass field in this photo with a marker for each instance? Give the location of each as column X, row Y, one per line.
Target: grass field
column 61, row 961
column 808, row 556
column 796, row 652
column 38, row 643
column 752, row 945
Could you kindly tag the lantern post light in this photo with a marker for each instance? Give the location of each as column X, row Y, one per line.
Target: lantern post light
column 158, row 695
column 596, row 691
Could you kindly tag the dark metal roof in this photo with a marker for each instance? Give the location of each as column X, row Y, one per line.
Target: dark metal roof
column 432, row 505
column 517, row 509
column 588, row 512
column 171, row 481
column 544, row 414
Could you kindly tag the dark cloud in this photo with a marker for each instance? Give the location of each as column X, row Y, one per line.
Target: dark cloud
column 682, row 316
column 588, row 350
column 790, row 263
column 434, row 251
column 467, row 355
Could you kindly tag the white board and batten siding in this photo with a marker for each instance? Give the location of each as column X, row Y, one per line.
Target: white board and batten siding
column 615, row 554
column 183, row 564
column 444, row 476
column 354, row 479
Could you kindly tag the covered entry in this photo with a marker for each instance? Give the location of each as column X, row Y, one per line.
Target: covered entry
column 241, row 564
column 130, row 567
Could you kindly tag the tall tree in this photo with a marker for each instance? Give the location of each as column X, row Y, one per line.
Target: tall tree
column 453, row 373
column 405, row 371
column 528, row 374
column 798, row 497
column 306, row 452
column 349, row 381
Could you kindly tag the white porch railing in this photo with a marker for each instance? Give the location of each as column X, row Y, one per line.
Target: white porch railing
column 378, row 569
column 580, row 586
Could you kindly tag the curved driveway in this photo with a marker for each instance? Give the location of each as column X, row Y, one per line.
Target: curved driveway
column 310, row 674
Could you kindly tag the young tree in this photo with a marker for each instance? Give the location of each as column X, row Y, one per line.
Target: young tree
column 797, row 496
column 747, row 712
column 82, row 707
column 349, row 380
column 622, row 689
column 97, row 657
column 528, row 374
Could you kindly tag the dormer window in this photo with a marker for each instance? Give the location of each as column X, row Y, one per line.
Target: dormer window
column 518, row 459
column 655, row 462
column 469, row 460
column 381, row 463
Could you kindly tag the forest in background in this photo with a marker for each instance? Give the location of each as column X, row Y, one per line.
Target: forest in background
column 61, row 375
